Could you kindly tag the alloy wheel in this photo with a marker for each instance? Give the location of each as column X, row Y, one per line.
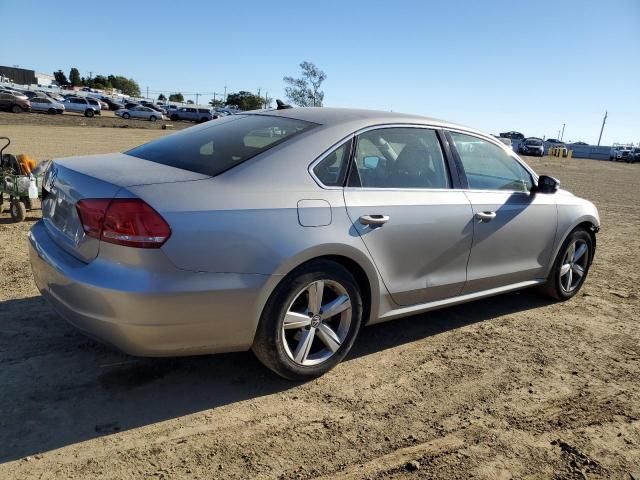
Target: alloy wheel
column 574, row 265
column 316, row 322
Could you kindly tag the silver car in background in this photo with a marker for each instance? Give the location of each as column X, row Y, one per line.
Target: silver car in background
column 87, row 106
column 285, row 231
column 46, row 104
column 140, row 112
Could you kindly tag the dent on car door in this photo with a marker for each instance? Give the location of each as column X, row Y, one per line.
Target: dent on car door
column 514, row 228
column 417, row 229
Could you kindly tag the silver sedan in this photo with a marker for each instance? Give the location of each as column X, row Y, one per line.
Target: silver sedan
column 45, row 104
column 141, row 112
column 285, row 231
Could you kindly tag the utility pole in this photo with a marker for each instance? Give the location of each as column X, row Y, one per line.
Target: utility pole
column 147, row 92
column 225, row 93
column 562, row 134
column 604, row 120
column 197, row 95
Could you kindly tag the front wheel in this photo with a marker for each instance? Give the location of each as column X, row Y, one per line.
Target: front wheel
column 16, row 109
column 126, row 116
column 52, row 111
column 153, row 118
column 571, row 266
column 310, row 321
column 89, row 113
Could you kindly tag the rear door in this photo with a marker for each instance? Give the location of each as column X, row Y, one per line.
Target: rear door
column 401, row 201
column 513, row 229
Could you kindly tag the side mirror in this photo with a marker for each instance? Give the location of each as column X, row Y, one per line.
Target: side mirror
column 547, row 184
column 370, row 162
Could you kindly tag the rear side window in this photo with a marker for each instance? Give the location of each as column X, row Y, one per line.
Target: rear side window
column 400, row 157
column 213, row 148
column 332, row 169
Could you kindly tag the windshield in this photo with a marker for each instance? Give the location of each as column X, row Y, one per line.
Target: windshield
column 216, row 146
column 535, row 143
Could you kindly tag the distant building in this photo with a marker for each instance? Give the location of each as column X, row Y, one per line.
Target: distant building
column 45, row 79
column 18, row 75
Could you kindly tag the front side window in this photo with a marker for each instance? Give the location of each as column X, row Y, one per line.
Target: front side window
column 212, row 148
column 332, row 169
column 489, row 167
column 400, row 158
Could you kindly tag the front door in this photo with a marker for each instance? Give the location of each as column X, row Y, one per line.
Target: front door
column 400, row 200
column 514, row 229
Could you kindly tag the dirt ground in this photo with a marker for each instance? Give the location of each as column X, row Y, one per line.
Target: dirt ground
column 510, row 387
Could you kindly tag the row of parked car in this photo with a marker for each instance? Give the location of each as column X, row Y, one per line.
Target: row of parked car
column 16, row 100
column 625, row 153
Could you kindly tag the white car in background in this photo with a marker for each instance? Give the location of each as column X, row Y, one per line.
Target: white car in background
column 142, row 112
column 45, row 104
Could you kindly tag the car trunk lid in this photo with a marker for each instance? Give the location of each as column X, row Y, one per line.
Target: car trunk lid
column 69, row 180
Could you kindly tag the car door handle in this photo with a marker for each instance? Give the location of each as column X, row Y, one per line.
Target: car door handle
column 485, row 216
column 374, row 220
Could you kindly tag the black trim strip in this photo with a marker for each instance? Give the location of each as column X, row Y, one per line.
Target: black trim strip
column 454, row 160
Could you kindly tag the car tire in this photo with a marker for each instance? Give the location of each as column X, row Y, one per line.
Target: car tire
column 51, row 111
column 153, row 118
column 16, row 109
column 18, row 210
column 126, row 116
column 314, row 344
column 89, row 113
column 562, row 283
column 174, row 117
column 204, row 119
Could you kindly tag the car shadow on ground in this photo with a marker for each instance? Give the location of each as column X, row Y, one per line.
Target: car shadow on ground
column 59, row 388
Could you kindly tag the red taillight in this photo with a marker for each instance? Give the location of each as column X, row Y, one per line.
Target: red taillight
column 123, row 221
column 91, row 213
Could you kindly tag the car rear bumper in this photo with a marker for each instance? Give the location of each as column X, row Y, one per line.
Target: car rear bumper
column 145, row 312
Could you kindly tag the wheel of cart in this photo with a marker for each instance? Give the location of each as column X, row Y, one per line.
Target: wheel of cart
column 20, row 185
column 18, row 210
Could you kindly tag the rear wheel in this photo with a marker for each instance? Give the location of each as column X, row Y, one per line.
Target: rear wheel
column 16, row 109
column 18, row 210
column 89, row 113
column 310, row 321
column 571, row 266
column 174, row 117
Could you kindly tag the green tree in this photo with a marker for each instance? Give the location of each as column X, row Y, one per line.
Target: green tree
column 305, row 91
column 61, row 78
column 190, row 102
column 244, row 100
column 100, row 81
column 216, row 103
column 74, row 77
column 176, row 97
column 161, row 98
column 128, row 86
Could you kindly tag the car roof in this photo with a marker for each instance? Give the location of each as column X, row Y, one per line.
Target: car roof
column 341, row 116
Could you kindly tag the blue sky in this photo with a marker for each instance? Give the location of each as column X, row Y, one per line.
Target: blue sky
column 495, row 65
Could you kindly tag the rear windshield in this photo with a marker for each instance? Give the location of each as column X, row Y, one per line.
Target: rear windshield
column 218, row 145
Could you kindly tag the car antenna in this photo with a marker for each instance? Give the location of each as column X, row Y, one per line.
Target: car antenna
column 282, row 105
